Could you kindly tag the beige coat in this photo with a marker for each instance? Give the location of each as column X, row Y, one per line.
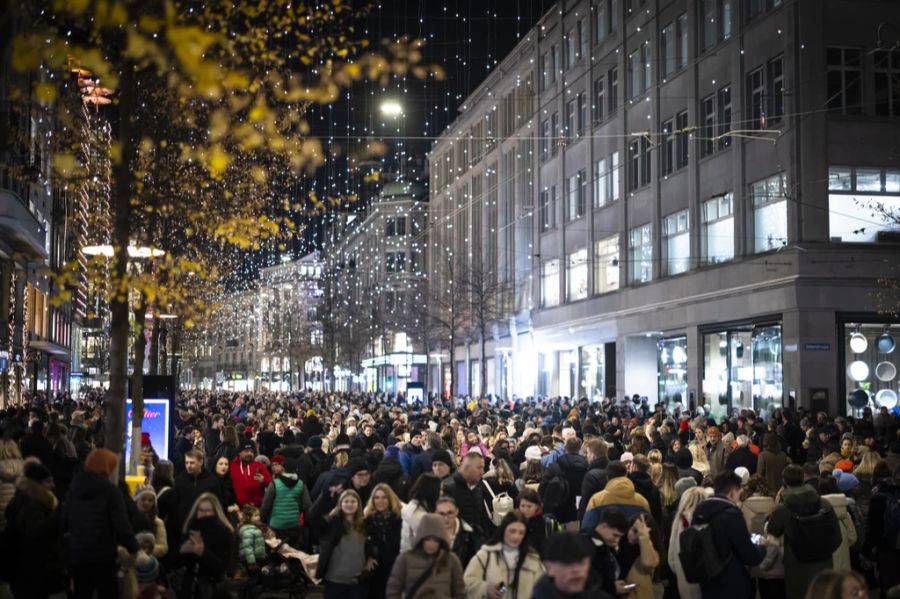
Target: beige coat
column 841, row 557
column 445, row 583
column 489, row 568
column 756, row 511
column 641, row 573
column 701, row 462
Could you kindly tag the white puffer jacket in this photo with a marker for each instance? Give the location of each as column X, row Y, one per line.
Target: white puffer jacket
column 841, row 557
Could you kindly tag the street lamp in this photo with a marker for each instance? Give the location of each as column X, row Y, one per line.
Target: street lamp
column 391, row 108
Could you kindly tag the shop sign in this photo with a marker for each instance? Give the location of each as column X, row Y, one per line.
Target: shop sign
column 790, row 347
column 817, row 346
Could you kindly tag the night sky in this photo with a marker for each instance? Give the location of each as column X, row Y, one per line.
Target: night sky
column 467, row 38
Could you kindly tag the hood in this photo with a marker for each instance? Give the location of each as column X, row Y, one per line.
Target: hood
column 431, row 525
column 37, row 493
column 838, row 501
column 620, row 488
column 712, row 507
column 759, row 505
column 289, row 479
column 407, row 511
column 389, row 469
column 801, row 498
column 87, row 485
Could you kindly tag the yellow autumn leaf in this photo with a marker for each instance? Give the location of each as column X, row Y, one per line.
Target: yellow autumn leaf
column 45, row 92
column 218, row 161
column 64, row 163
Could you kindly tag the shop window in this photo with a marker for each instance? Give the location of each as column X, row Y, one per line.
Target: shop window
column 577, row 276
column 872, row 364
column 717, row 240
column 673, row 371
column 742, row 368
column 550, row 283
column 677, row 243
column 769, row 213
column 640, row 250
column 606, row 264
column 592, row 382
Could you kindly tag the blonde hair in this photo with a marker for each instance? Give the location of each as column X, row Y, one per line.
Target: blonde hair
column 394, row 504
column 220, row 514
column 687, row 505
column 667, row 480
column 655, row 456
column 870, row 460
column 9, row 450
column 340, row 459
column 356, row 524
column 503, row 472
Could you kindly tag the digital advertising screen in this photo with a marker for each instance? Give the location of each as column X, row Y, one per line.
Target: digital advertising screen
column 157, row 422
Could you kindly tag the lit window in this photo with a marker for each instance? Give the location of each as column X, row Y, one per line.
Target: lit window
column 769, row 213
column 677, row 243
column 718, row 229
column 640, row 250
column 577, row 276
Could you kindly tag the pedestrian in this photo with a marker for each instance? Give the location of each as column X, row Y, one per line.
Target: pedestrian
column 428, row 570
column 465, row 486
column 285, row 499
column 687, row 505
column 11, row 465
column 248, row 476
column 567, row 561
column 423, row 500
column 145, row 500
column 606, row 572
column 206, row 551
column 383, row 529
column 463, row 539
column 639, row 555
column 771, row 463
column 345, row 558
column 506, row 566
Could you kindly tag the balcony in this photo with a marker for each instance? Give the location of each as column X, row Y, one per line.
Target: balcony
column 20, row 231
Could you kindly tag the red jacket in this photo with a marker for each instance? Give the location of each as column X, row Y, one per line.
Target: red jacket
column 246, row 489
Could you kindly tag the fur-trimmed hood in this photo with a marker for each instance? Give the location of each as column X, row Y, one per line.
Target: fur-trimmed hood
column 37, row 493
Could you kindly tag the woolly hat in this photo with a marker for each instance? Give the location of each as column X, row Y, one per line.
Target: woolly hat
column 682, row 485
column 36, row 471
column 144, row 490
column 145, row 440
column 534, row 453
column 743, row 473
column 844, row 465
column 263, row 460
column 146, row 568
column 845, row 480
column 356, row 465
column 247, row 445
column 341, row 439
column 567, row 548
column 684, row 458
column 392, row 451
column 442, row 455
column 626, row 457
column 314, row 442
column 278, row 459
column 101, row 461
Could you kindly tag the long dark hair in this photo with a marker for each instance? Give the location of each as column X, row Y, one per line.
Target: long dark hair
column 426, row 491
column 524, row 547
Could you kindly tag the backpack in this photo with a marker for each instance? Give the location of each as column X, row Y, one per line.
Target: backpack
column 553, row 490
column 700, row 558
column 890, row 528
column 501, row 505
column 812, row 536
column 551, row 525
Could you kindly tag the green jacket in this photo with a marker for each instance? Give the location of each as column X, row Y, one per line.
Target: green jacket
column 253, row 544
column 286, row 506
column 797, row 574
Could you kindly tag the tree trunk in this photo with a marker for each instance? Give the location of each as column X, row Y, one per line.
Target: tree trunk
column 483, row 366
column 163, row 350
column 114, row 403
column 137, row 387
column 452, row 366
column 154, row 345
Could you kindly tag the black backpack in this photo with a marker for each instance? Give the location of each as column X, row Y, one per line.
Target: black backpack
column 700, row 559
column 814, row 536
column 890, row 529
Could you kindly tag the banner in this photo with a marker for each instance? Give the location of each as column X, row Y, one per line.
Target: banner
column 156, row 422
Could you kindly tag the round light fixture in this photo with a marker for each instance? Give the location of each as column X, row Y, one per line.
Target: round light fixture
column 679, row 355
column 886, row 398
column 858, row 398
column 886, row 343
column 885, row 371
column 858, row 370
column 858, row 343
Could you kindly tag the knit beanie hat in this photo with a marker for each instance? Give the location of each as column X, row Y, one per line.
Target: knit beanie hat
column 392, row 451
column 356, row 465
column 314, row 442
column 36, row 471
column 442, row 455
column 682, row 485
column 146, row 568
column 743, row 473
column 534, row 453
column 101, row 461
column 845, row 480
column 844, row 465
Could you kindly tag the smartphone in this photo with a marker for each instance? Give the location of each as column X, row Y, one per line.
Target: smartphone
column 629, row 587
column 756, row 539
column 501, row 588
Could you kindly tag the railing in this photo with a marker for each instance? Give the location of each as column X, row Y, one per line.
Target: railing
column 20, row 189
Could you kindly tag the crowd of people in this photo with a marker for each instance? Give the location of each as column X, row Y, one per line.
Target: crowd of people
column 371, row 498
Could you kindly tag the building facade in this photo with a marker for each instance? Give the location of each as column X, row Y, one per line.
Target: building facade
column 375, row 267
column 705, row 208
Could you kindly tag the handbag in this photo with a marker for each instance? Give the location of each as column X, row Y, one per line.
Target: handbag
column 501, row 505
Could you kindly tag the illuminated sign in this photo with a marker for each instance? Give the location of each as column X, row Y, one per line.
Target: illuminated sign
column 157, row 417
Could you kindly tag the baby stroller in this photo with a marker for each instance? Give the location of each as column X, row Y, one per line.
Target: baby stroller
column 283, row 572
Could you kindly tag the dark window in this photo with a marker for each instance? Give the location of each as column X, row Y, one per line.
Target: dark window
column 599, row 104
column 724, row 117
column 554, row 126
column 756, row 89
column 683, row 46
column 708, row 124
column 887, row 82
column 667, row 155
column 634, row 161
column 645, row 161
column 775, row 88
column 844, row 87
column 613, row 100
column 667, row 47
column 681, row 148
column 582, row 113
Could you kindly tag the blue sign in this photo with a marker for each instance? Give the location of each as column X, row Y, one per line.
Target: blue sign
column 817, row 346
column 156, row 422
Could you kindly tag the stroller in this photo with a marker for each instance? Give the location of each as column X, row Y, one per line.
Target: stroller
column 285, row 571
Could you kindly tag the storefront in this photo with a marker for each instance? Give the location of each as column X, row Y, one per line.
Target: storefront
column 870, row 363
column 743, row 367
column 391, row 372
column 672, row 365
column 598, row 367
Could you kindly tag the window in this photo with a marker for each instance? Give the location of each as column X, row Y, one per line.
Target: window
column 395, row 261
column 632, row 6
column 708, row 122
column 682, row 41
column 554, row 128
column 887, row 82
column 769, row 213
column 572, row 46
column 639, row 71
column 577, row 276
column 640, row 254
column 601, row 183
column 682, row 138
column 614, row 183
column 757, row 7
column 550, row 283
column 765, row 87
column 667, row 47
column 667, row 153
column 715, row 25
column 547, row 74
column 757, row 89
column 843, row 80
column 634, row 158
column 572, row 118
column 645, row 161
column 599, row 100
column 581, row 30
column 606, row 264
column 395, row 227
column 775, row 85
column 582, row 113
column 548, row 208
column 612, row 77
column 677, row 243
column 717, row 240
column 724, row 117
column 575, row 195
column 867, row 217
column 601, row 21
column 545, row 140
column 554, row 60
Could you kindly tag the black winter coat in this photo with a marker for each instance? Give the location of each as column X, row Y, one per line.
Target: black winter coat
column 573, row 467
column 643, row 484
column 731, row 537
column 329, row 529
column 218, row 550
column 383, row 536
column 96, row 521
column 470, row 502
column 391, row 473
column 34, row 530
column 594, row 481
column 187, row 489
column 741, row 456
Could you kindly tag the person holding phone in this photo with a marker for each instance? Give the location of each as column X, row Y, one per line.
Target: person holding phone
column 507, row 567
column 248, row 477
column 206, row 550
column 639, row 555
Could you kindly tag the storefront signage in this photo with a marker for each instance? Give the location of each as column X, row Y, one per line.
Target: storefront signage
column 817, row 346
column 790, row 347
column 155, row 422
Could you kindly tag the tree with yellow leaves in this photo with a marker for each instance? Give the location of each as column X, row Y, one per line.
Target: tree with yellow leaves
column 208, row 104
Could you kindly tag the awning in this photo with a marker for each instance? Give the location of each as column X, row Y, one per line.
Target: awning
column 48, row 347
